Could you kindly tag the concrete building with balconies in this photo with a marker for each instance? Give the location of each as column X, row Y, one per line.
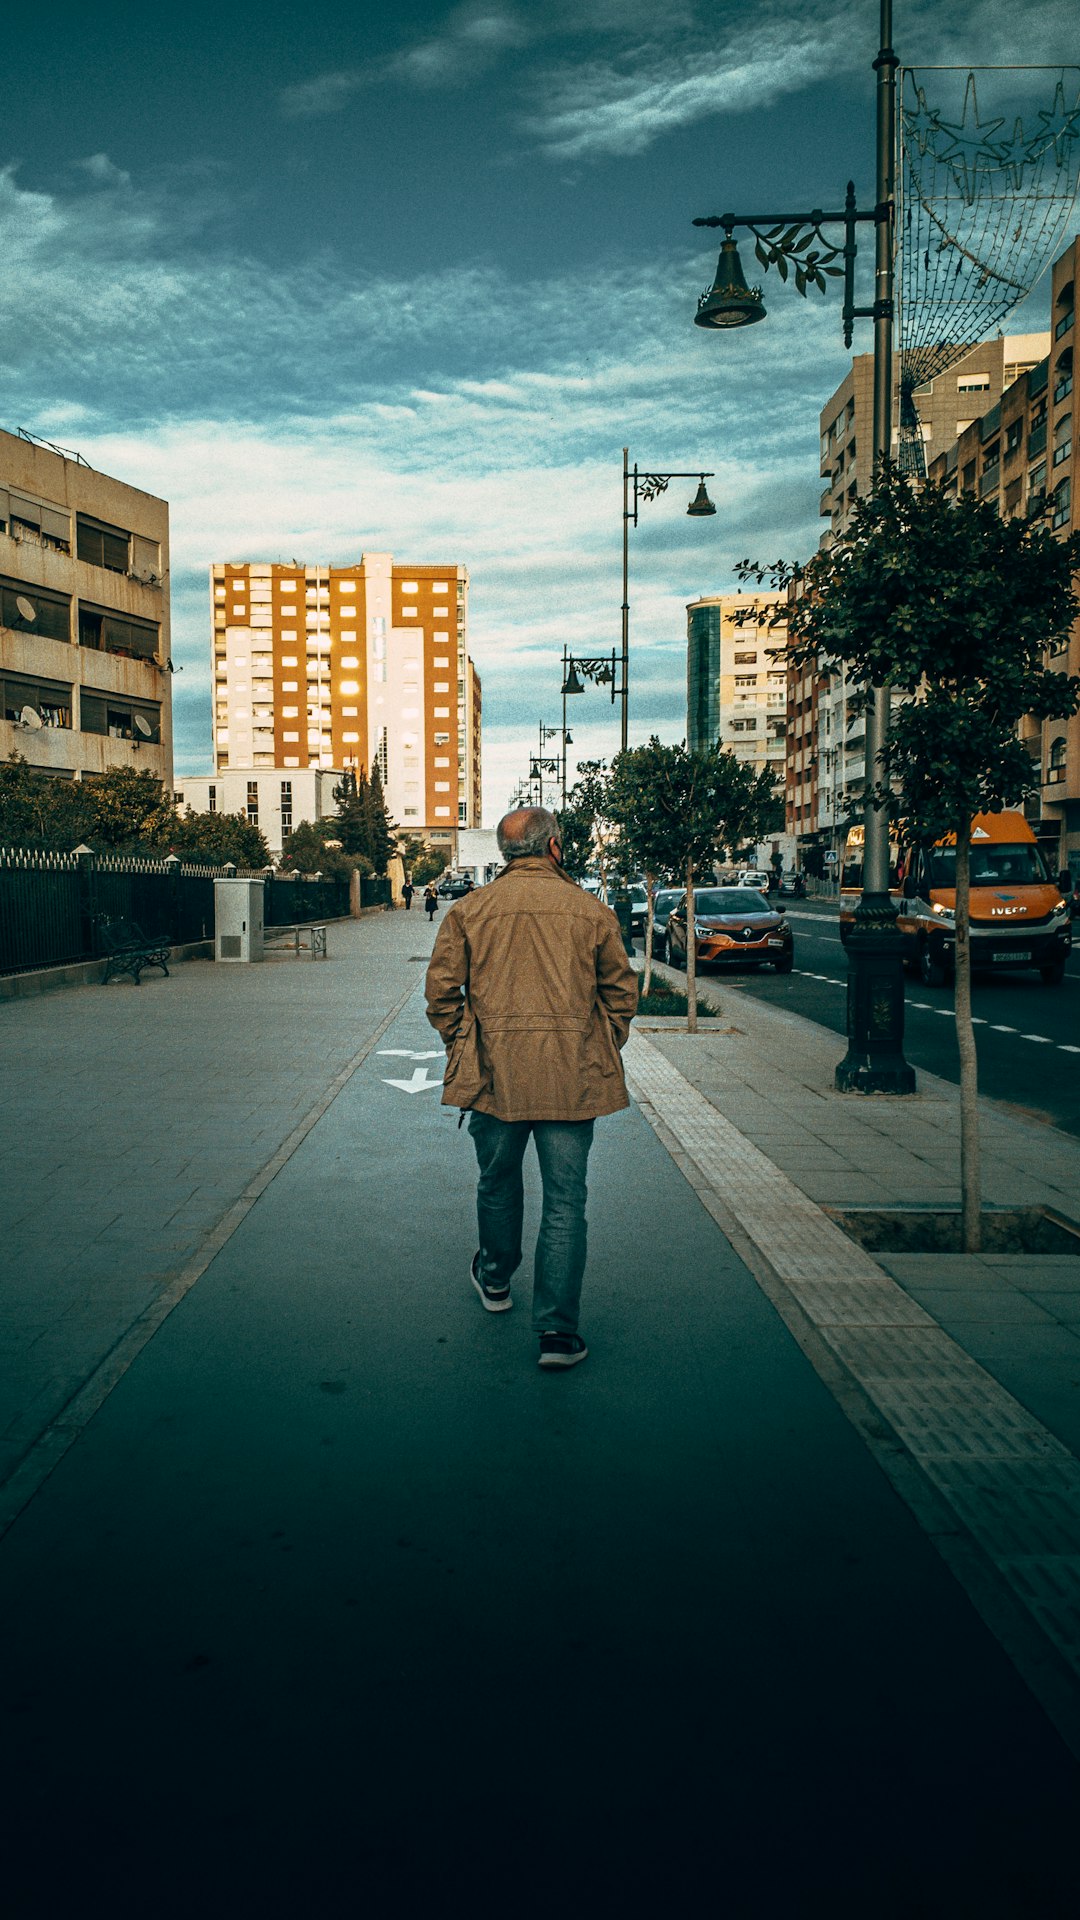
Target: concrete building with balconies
column 84, row 617
column 1021, row 455
column 736, row 679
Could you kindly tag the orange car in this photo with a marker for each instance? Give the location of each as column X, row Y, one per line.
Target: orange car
column 733, row 926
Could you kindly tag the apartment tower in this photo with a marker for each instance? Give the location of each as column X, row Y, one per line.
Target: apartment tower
column 366, row 665
column 736, row 679
column 85, row 682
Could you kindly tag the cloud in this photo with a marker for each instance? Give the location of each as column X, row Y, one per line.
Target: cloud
column 102, row 171
column 282, row 415
column 324, row 93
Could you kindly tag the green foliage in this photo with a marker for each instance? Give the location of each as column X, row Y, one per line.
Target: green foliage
column 215, row 838
column 381, row 842
column 38, row 811
column 307, row 851
column 584, row 818
column 675, row 808
column 351, row 824
column 942, row 600
column 663, row 999
column 129, row 809
column 421, row 862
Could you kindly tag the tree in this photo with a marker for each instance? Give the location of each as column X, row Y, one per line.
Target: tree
column 312, row 847
column 39, row 811
column 352, row 824
column 421, row 861
column 215, row 838
column 681, row 810
column 583, row 821
column 942, row 601
column 381, row 842
column 129, row 808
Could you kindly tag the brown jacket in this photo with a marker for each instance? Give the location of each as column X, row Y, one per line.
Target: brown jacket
column 532, row 993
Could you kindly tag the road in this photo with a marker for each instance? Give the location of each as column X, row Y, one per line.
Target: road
column 1028, row 1035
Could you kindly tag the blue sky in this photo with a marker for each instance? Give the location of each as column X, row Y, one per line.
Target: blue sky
column 334, row 277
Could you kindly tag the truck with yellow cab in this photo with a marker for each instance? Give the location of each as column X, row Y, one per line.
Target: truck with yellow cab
column 1018, row 915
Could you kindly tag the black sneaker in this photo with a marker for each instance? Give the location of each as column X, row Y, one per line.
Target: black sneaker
column 561, row 1349
column 496, row 1299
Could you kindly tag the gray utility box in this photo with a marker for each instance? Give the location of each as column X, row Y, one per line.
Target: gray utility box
column 238, row 919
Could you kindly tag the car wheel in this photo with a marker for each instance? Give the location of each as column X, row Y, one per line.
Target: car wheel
column 1053, row 976
column 931, row 971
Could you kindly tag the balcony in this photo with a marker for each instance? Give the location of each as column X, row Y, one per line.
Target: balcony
column 1036, row 440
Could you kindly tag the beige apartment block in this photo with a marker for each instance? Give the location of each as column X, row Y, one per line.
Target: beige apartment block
column 949, row 405
column 736, row 679
column 1022, row 456
column 85, row 669
column 364, row 665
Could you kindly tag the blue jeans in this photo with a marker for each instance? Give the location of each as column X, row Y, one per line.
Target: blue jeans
column 562, row 1148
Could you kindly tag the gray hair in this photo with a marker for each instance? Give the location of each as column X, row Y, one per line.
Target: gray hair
column 526, row 831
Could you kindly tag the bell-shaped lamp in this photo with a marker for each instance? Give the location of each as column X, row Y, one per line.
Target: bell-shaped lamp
column 700, row 506
column 729, row 301
column 572, row 684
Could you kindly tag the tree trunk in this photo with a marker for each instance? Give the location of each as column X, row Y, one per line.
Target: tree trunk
column 691, row 953
column 970, row 1175
column 650, row 889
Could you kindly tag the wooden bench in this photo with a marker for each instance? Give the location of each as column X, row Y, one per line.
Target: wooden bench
column 127, row 949
column 304, row 938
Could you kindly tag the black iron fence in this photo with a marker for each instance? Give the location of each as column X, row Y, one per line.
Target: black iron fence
column 52, row 905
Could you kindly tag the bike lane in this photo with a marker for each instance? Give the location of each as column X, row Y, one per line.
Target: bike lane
column 338, row 1598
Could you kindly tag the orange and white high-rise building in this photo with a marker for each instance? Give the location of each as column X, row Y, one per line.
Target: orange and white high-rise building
column 352, row 666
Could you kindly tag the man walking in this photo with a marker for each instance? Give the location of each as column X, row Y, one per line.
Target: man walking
column 407, row 894
column 531, row 991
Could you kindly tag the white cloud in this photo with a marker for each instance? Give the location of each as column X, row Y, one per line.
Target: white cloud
column 282, row 416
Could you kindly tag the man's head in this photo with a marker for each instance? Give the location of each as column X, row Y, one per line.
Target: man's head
column 529, row 831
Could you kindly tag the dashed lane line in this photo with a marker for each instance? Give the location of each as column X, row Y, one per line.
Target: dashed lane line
column 994, row 1490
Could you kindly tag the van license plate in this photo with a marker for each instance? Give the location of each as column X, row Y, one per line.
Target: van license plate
column 1012, row 956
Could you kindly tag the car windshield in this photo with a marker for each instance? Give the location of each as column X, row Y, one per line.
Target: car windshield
column 991, row 865
column 736, row 900
column 667, row 896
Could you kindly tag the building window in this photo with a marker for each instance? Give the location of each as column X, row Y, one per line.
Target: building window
column 32, row 610
column 973, row 383
column 253, row 803
column 102, row 545
column 1056, row 770
column 35, row 520
column 286, row 806
column 119, row 719
column 105, row 632
column 1062, row 498
column 50, row 700
column 382, row 756
column 211, row 799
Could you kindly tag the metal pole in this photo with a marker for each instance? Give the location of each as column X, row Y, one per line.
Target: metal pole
column 874, row 1062
column 626, row 588
column 564, row 729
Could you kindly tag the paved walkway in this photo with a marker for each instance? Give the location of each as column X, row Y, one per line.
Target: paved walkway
column 338, row 1604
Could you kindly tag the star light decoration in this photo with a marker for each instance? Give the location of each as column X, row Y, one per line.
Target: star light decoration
column 970, row 151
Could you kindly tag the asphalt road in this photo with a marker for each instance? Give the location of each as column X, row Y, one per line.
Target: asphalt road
column 1028, row 1035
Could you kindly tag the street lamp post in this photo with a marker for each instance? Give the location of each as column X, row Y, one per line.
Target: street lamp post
column 601, row 671
column 874, row 1062
column 635, row 488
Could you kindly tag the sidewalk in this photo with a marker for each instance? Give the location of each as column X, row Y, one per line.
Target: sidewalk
column 337, row 1600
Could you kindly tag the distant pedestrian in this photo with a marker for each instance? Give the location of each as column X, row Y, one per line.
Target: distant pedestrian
column 531, row 990
column 407, row 894
column 431, row 901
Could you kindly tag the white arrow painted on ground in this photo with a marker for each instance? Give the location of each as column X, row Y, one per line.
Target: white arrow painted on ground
column 418, row 1084
column 407, row 1053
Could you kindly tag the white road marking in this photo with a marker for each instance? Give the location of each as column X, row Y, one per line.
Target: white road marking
column 407, row 1053
column 945, row 1012
column 996, row 1029
column 1040, row 1039
column 418, row 1084
column 1062, row 1048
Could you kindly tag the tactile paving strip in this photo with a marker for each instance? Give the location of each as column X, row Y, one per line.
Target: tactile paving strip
column 1010, row 1484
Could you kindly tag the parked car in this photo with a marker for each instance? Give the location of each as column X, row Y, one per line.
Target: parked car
column 755, row 877
column 666, row 898
column 733, row 926
column 794, row 884
column 455, row 887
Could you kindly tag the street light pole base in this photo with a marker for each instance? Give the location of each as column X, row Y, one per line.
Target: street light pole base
column 874, row 1062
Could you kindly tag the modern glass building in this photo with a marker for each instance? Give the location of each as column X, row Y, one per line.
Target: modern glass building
column 703, row 674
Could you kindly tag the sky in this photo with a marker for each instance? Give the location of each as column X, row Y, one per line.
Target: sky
column 340, row 277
